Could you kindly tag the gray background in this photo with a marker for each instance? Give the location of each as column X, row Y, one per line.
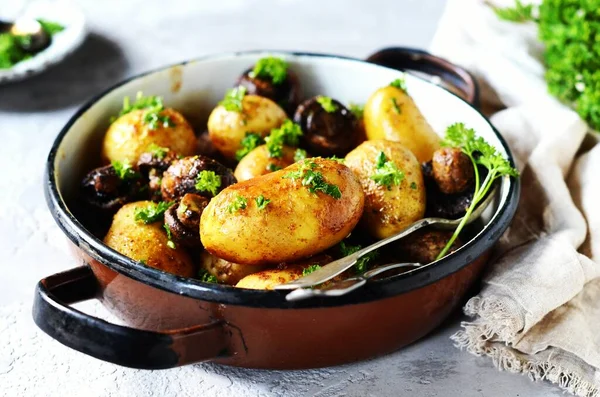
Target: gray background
column 128, row 37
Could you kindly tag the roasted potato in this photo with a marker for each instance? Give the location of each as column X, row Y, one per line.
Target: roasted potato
column 226, row 272
column 258, row 162
column 391, row 114
column 267, row 279
column 146, row 242
column 296, row 223
column 388, row 209
column 129, row 136
column 227, row 128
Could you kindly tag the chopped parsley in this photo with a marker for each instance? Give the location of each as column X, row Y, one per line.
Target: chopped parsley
column 357, row 110
column 481, row 153
column 413, row 185
column 238, row 203
column 273, row 167
column 153, row 119
column 327, row 104
column 206, row 277
column 272, row 68
column 308, row 270
column 152, row 212
column 124, row 170
column 262, row 202
column 153, row 105
column 288, row 134
column 233, row 99
column 300, row 154
column 158, row 151
column 396, row 106
column 170, row 242
column 250, row 142
column 399, row 83
column 313, row 180
column 208, row 181
column 386, row 172
column 362, row 263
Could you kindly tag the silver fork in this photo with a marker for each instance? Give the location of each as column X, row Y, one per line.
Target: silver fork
column 336, row 267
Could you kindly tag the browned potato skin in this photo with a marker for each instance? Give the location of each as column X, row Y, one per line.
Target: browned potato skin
column 295, row 224
column 267, row 279
column 226, row 272
column 226, row 129
column 388, row 211
column 256, row 162
column 452, row 170
column 128, row 137
column 147, row 243
column 408, row 127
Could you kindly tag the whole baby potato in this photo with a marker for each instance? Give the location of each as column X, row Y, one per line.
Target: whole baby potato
column 388, row 209
column 258, row 162
column 146, row 242
column 227, row 128
column 296, row 222
column 129, row 136
column 391, row 114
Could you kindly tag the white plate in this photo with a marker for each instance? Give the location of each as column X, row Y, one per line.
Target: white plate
column 63, row 43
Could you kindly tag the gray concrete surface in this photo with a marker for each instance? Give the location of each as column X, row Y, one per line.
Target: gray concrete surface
column 127, row 37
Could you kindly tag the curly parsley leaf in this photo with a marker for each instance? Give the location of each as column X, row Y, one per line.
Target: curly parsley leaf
column 261, row 202
column 272, row 68
column 288, row 134
column 399, row 83
column 124, row 170
column 238, row 203
column 233, row 100
column 308, row 270
column 386, row 172
column 208, row 181
column 327, row 104
column 250, row 142
column 153, row 212
column 314, row 180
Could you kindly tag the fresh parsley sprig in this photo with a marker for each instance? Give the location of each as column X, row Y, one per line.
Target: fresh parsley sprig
column 233, row 100
column 250, row 142
column 327, row 104
column 288, row 134
column 272, row 68
column 386, row 172
column 314, row 180
column 152, row 212
column 480, row 153
column 208, row 181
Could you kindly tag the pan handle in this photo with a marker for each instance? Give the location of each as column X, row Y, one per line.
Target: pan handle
column 117, row 344
column 404, row 58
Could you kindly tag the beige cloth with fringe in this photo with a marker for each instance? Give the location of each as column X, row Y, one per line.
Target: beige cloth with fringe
column 538, row 312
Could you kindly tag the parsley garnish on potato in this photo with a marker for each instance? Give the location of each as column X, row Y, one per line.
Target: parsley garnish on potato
column 481, row 153
column 124, row 170
column 396, row 106
column 233, row 99
column 288, row 134
column 250, row 142
column 386, row 172
column 314, row 180
column 238, row 203
column 261, row 202
column 271, row 68
column 153, row 105
column 208, row 181
column 308, row 270
column 327, row 104
column 399, row 83
column 152, row 212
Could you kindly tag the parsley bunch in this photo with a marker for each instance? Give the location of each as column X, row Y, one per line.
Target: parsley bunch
column 569, row 30
column 288, row 134
column 314, row 180
column 208, row 181
column 271, row 68
column 480, row 153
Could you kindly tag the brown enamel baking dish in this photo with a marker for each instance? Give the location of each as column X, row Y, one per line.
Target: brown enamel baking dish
column 174, row 321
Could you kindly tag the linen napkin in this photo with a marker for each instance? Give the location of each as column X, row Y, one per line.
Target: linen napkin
column 538, row 312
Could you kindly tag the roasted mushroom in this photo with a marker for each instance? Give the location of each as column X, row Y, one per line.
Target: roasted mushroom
column 152, row 165
column 439, row 204
column 103, row 188
column 329, row 127
column 270, row 78
column 185, row 176
column 452, row 170
column 423, row 246
column 183, row 220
